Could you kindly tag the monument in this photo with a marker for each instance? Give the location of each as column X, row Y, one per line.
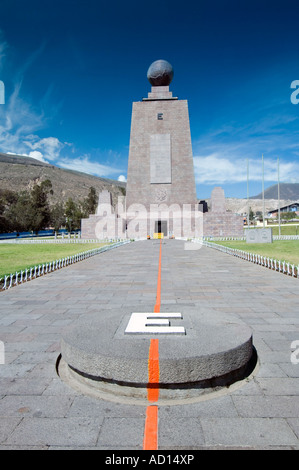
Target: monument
column 217, row 222
column 161, row 192
column 259, row 235
column 107, row 351
column 160, row 167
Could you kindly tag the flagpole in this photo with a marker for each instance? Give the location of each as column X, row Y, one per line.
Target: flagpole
column 247, row 194
column 263, row 194
column 278, row 191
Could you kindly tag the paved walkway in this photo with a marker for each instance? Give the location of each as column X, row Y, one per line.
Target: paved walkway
column 39, row 411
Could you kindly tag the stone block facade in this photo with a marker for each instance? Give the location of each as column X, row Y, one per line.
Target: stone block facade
column 222, row 225
column 165, row 120
column 219, row 223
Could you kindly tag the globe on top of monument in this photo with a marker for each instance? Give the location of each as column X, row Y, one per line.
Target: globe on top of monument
column 160, row 73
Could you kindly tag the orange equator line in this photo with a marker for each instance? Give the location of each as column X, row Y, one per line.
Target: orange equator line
column 158, row 297
column 153, row 371
column 150, row 441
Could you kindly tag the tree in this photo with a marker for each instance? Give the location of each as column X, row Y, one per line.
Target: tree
column 3, row 221
column 41, row 215
column 7, row 198
column 90, row 203
column 25, row 211
column 288, row 215
column 259, row 216
column 74, row 214
column 20, row 213
column 57, row 216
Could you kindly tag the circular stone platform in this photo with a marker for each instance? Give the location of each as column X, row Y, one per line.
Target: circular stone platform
column 214, row 353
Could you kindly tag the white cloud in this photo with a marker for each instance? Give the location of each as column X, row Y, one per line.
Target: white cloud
column 3, row 48
column 49, row 147
column 215, row 169
column 18, row 126
column 35, row 154
column 122, row 178
column 38, row 156
column 85, row 165
column 17, row 120
column 221, row 154
column 20, row 123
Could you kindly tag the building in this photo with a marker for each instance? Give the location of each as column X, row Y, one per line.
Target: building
column 294, row 207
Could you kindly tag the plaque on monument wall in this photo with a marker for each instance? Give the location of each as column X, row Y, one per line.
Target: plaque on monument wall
column 160, row 156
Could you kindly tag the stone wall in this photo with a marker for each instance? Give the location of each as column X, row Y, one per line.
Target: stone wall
column 222, row 225
column 219, row 223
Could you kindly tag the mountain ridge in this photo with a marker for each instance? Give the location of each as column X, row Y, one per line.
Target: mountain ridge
column 288, row 191
column 18, row 172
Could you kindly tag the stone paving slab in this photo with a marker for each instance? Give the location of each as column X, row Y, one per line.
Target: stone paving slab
column 39, row 411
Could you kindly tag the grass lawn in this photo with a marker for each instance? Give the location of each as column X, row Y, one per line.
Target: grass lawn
column 284, row 250
column 16, row 257
column 284, row 229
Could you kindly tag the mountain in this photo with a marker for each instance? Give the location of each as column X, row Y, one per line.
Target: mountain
column 240, row 206
column 19, row 173
column 21, row 160
column 288, row 191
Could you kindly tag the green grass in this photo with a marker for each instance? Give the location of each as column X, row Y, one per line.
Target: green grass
column 17, row 257
column 284, row 250
column 284, row 229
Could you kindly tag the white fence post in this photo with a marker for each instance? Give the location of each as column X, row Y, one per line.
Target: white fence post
column 40, row 270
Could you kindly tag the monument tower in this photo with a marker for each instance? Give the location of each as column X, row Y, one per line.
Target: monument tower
column 160, row 167
column 161, row 191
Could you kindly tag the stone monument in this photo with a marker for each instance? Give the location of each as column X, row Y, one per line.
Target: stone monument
column 259, row 235
column 160, row 167
column 217, row 222
column 161, row 192
column 107, row 352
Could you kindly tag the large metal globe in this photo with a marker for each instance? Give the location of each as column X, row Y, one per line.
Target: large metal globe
column 160, row 73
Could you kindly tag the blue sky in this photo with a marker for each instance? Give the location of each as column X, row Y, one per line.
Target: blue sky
column 72, row 69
